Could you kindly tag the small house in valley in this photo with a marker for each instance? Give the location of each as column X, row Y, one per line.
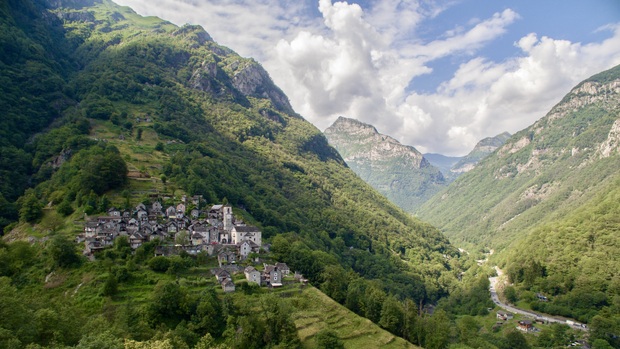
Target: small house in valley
column 525, row 326
column 502, row 315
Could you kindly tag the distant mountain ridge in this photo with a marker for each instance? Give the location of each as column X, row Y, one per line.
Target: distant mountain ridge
column 454, row 166
column 480, row 151
column 443, row 162
column 400, row 172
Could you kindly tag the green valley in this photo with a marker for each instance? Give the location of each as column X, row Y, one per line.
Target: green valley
column 546, row 203
column 107, row 115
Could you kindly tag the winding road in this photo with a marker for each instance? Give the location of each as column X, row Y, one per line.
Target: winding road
column 494, row 297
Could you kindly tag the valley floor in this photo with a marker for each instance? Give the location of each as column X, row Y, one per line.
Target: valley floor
column 494, row 281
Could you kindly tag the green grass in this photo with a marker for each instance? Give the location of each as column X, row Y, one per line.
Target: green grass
column 314, row 311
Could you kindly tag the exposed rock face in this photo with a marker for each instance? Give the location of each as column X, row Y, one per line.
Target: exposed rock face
column 612, row 144
column 588, row 92
column 204, row 78
column 241, row 77
column 597, row 96
column 194, row 32
column 398, row 171
column 57, row 161
column 480, row 151
column 76, row 16
column 253, row 81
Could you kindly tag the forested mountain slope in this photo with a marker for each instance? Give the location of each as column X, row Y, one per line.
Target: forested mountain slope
column 540, row 173
column 397, row 171
column 93, row 91
column 547, row 202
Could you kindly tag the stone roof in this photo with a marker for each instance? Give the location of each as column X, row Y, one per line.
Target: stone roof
column 282, row 266
column 246, row 229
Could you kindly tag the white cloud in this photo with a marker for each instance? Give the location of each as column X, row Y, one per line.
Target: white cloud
column 361, row 72
column 487, row 97
column 468, row 41
column 359, row 62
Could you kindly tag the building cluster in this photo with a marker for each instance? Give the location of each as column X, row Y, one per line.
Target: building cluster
column 213, row 229
column 188, row 228
column 272, row 275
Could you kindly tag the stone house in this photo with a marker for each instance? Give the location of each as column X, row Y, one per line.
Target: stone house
column 156, row 207
column 243, row 233
column 180, row 210
column 140, row 207
column 172, row 227
column 272, row 276
column 247, row 247
column 283, row 268
column 221, row 274
column 197, row 239
column 171, row 212
column 525, row 326
column 252, row 275
column 136, row 240
column 90, row 229
column 228, row 285
column 114, row 212
column 143, row 215
column 226, row 257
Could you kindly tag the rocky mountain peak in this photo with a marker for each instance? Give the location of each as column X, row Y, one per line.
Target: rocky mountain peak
column 368, row 143
column 351, row 126
column 482, row 149
column 398, row 171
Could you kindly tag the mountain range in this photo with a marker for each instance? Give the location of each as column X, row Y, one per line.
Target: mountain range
column 401, row 172
column 103, row 107
column 398, row 171
column 545, row 198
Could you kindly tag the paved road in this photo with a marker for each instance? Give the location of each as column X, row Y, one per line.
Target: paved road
column 510, row 308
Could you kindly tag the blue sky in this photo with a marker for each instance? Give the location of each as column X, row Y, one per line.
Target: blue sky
column 438, row 75
column 573, row 20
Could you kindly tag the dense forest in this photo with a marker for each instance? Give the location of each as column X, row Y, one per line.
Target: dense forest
column 244, row 147
column 102, row 107
column 92, row 92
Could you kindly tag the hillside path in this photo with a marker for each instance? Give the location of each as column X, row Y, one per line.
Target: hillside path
column 495, row 298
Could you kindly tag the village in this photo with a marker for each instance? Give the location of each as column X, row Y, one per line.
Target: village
column 213, row 230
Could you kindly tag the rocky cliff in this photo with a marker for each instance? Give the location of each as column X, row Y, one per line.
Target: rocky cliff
column 400, row 172
column 483, row 149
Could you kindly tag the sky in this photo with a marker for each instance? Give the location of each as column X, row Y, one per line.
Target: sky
column 439, row 75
